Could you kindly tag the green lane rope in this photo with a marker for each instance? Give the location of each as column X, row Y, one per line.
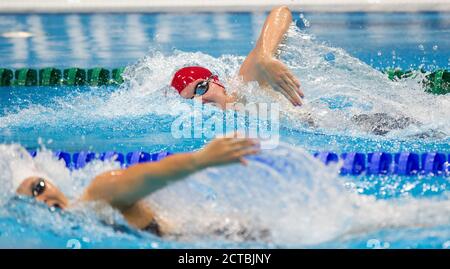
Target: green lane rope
column 117, row 75
column 74, row 76
column 6, row 75
column 437, row 82
column 97, row 76
column 395, row 74
column 49, row 76
column 25, row 77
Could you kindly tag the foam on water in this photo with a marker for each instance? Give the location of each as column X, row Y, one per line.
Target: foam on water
column 342, row 86
column 283, row 198
column 294, row 197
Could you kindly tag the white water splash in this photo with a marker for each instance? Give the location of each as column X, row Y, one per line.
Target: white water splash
column 295, row 199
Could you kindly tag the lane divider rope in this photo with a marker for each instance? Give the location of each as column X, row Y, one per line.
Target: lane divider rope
column 354, row 163
column 50, row 76
column 437, row 82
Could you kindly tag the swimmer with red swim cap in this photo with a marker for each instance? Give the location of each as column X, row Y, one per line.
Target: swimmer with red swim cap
column 260, row 65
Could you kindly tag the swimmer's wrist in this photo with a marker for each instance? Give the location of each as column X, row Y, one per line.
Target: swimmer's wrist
column 263, row 55
column 198, row 160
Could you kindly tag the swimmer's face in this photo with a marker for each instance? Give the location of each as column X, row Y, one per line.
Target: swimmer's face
column 43, row 191
column 215, row 95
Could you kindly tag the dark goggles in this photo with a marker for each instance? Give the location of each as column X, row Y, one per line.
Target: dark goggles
column 39, row 188
column 202, row 87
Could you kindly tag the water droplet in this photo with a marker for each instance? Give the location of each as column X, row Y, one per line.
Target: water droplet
column 435, row 47
column 302, row 23
column 379, row 53
column 330, row 56
column 421, row 47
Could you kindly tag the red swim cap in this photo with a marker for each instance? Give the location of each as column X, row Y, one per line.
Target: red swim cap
column 186, row 75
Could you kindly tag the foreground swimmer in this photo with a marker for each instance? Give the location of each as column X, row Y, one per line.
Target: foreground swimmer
column 260, row 65
column 125, row 189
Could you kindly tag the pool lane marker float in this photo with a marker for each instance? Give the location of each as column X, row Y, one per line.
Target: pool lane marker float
column 354, row 163
column 49, row 76
column 437, row 82
column 74, row 76
column 378, row 163
column 97, row 76
column 6, row 76
column 116, row 75
column 434, row 162
column 80, row 159
column 113, row 155
column 396, row 73
column 26, row 77
column 406, row 163
column 138, row 157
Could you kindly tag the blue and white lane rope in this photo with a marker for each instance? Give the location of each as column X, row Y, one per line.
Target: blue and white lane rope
column 354, row 163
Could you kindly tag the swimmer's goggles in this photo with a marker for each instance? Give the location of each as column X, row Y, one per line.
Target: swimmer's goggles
column 39, row 188
column 202, row 87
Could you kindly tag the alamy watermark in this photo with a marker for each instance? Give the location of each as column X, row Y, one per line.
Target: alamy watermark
column 259, row 121
column 73, row 244
column 377, row 244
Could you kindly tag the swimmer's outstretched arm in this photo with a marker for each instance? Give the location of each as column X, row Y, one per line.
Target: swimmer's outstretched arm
column 123, row 188
column 261, row 64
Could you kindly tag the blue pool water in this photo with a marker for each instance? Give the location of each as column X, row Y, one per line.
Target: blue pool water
column 298, row 200
column 379, row 39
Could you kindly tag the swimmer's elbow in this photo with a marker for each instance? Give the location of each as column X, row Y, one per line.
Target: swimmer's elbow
column 284, row 10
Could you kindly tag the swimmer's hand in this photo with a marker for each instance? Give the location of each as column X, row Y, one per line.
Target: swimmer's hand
column 261, row 64
column 276, row 74
column 225, row 150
